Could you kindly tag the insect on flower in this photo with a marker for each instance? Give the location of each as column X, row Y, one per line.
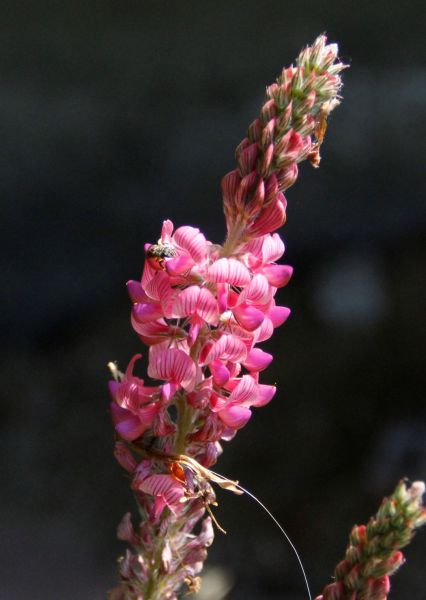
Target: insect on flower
column 157, row 254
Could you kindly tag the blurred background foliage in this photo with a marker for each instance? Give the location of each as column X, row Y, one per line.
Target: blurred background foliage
column 117, row 115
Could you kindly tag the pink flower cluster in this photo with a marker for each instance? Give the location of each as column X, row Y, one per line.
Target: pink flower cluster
column 202, row 315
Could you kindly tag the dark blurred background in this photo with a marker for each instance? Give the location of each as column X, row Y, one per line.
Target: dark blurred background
column 117, row 115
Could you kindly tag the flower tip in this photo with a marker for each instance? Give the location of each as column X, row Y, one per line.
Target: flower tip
column 416, row 490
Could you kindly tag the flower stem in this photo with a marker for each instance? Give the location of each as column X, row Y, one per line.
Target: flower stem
column 184, row 422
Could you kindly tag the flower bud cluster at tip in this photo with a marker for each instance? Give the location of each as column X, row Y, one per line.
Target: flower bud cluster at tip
column 373, row 553
column 289, row 129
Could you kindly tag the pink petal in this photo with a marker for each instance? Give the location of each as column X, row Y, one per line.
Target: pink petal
column 168, row 390
column 222, row 296
column 235, row 416
column 220, row 373
column 197, row 301
column 279, row 315
column 192, row 241
column 245, row 393
column 257, row 360
column 179, row 265
column 271, row 218
column 249, row 317
column 278, row 275
column 124, row 457
column 166, row 489
column 265, row 330
column 126, row 424
column 228, row 270
column 171, row 365
column 265, row 394
column 228, row 347
column 258, row 291
column 158, row 287
column 153, row 332
column 135, row 291
column 166, row 232
column 144, row 312
column 272, row 248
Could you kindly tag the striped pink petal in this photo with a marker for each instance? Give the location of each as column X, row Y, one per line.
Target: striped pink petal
column 235, row 416
column 258, row 291
column 166, row 489
column 265, row 330
column 197, row 301
column 257, row 360
column 191, row 240
column 245, row 393
column 278, row 275
column 150, row 333
column 228, row 270
column 271, row 218
column 272, row 248
column 228, row 347
column 171, row 364
column 158, row 286
column 249, row 317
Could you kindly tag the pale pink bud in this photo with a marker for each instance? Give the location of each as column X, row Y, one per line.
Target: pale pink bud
column 125, row 531
column 271, row 218
column 124, row 457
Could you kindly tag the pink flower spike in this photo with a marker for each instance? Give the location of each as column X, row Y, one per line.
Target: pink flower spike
column 235, row 416
column 257, row 360
column 249, row 317
column 229, row 270
column 278, row 275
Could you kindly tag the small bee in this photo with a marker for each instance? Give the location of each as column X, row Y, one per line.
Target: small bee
column 157, row 255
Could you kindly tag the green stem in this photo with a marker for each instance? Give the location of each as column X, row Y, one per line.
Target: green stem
column 184, row 423
column 234, row 239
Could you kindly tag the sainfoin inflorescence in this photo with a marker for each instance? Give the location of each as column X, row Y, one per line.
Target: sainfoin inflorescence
column 202, row 309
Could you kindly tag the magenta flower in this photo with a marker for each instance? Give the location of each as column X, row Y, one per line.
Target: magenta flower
column 202, row 309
